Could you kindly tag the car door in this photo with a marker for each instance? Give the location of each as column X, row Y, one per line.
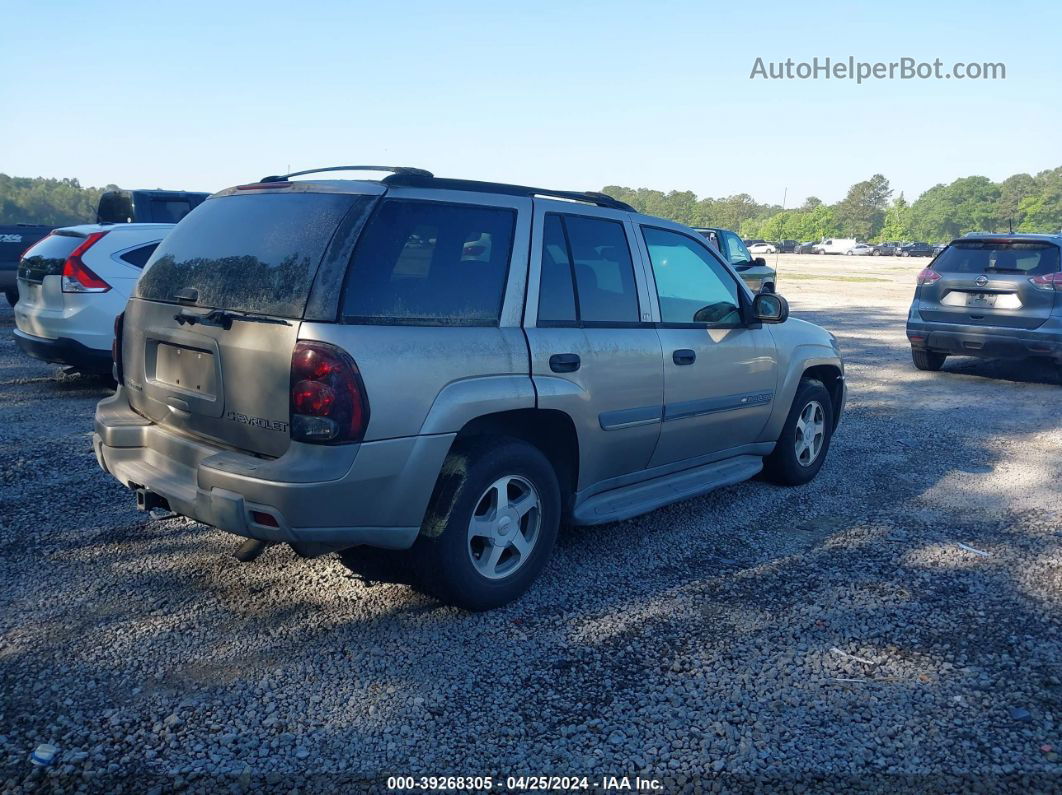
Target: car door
column 720, row 371
column 594, row 355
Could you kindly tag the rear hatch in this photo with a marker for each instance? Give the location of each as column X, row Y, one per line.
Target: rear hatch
column 40, row 272
column 209, row 335
column 990, row 283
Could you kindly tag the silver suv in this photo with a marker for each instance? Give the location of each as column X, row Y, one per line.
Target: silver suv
column 989, row 295
column 450, row 367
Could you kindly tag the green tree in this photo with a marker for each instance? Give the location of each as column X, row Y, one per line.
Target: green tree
column 861, row 213
column 897, row 224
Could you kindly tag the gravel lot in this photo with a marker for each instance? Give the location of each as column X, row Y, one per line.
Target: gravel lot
column 835, row 634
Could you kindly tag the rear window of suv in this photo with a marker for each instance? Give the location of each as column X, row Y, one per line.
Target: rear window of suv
column 46, row 257
column 429, row 263
column 250, row 253
column 985, row 256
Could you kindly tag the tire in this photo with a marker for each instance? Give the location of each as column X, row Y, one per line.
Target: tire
column 788, row 467
column 927, row 360
column 849, row 253
column 905, row 253
column 875, row 253
column 12, row 295
column 453, row 559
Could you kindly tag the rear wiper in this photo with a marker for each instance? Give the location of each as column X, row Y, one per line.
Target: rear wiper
column 222, row 318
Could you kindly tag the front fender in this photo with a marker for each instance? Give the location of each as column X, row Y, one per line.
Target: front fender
column 799, row 359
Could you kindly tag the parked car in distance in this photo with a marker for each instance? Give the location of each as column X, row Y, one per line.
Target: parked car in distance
column 805, row 248
column 320, row 363
column 860, row 250
column 835, row 245
column 73, row 284
column 754, row 271
column 915, row 250
column 15, row 239
column 146, row 206
column 885, row 249
column 938, row 247
column 787, row 246
column 993, row 296
column 763, row 248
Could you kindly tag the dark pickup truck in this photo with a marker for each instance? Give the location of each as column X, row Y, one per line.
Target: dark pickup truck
column 14, row 239
column 146, row 206
column 115, row 207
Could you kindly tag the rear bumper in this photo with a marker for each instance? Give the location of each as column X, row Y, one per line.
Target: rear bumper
column 64, row 351
column 320, row 498
column 992, row 342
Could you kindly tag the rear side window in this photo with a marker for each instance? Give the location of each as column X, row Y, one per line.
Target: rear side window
column 46, row 257
column 604, row 273
column 429, row 263
column 556, row 293
column 251, row 253
column 139, row 256
column 985, row 256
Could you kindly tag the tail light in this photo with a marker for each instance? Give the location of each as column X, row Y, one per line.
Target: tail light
column 1048, row 281
column 328, row 400
column 116, row 348
column 79, row 277
column 928, row 276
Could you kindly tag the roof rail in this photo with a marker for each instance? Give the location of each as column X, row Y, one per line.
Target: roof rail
column 426, row 180
column 420, row 172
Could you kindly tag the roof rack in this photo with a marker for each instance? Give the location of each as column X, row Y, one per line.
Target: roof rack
column 426, row 180
column 419, row 172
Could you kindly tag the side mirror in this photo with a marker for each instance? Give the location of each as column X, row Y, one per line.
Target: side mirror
column 760, row 262
column 770, row 308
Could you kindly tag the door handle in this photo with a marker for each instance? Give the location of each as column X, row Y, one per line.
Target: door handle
column 564, row 362
column 684, row 356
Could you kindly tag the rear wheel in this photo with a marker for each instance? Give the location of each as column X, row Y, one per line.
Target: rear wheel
column 801, row 449
column 491, row 524
column 927, row 360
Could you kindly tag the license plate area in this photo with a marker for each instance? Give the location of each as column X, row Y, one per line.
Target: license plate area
column 981, row 299
column 186, row 369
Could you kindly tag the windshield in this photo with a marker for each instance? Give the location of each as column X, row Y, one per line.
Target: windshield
column 250, row 253
column 983, row 256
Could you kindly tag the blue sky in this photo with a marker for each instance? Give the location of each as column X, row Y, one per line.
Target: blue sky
column 574, row 95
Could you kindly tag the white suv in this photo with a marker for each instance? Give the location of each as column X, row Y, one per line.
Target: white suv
column 73, row 284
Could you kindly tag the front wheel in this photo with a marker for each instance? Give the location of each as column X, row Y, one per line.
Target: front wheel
column 801, row 449
column 927, row 360
column 491, row 524
column 12, row 295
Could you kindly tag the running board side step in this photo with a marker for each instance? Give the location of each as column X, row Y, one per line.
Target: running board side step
column 639, row 498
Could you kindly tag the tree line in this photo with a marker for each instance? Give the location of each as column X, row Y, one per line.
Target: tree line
column 870, row 212
column 53, row 202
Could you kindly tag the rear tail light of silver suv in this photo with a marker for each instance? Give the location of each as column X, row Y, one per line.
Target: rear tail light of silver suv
column 928, row 276
column 1048, row 281
column 328, row 400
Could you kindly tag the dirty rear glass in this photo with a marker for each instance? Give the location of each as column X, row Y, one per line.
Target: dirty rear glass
column 250, row 253
column 985, row 256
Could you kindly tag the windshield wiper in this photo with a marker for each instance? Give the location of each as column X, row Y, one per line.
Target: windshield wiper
column 222, row 318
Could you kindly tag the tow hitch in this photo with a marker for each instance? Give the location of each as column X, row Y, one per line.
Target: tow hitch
column 150, row 501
